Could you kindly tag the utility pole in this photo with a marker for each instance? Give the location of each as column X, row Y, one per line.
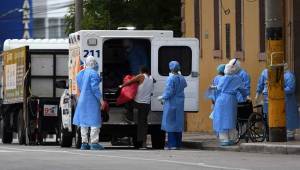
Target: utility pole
column 275, row 60
column 78, row 14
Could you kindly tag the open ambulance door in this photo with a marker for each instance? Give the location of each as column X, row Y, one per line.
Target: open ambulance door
column 186, row 52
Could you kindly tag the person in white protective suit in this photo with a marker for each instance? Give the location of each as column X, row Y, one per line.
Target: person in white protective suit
column 87, row 114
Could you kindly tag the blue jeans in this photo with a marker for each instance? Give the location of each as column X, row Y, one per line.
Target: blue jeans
column 174, row 139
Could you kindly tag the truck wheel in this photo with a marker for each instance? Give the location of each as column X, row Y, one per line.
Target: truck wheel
column 66, row 138
column 7, row 136
column 158, row 139
column 77, row 138
column 21, row 130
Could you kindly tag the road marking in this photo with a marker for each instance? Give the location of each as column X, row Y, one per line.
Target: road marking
column 88, row 153
column 7, row 151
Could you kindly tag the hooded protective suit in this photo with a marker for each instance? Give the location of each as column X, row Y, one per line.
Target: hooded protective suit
column 225, row 110
column 291, row 109
column 87, row 113
column 173, row 96
column 244, row 77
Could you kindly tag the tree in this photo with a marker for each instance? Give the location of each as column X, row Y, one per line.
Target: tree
column 143, row 14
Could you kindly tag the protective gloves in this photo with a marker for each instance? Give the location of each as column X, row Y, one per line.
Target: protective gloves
column 160, row 98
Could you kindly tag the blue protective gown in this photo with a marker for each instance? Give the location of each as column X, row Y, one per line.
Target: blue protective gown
column 225, row 110
column 213, row 93
column 173, row 109
column 87, row 113
column 291, row 109
column 247, row 81
column 262, row 88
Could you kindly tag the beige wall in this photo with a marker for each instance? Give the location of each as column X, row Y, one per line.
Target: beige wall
column 200, row 121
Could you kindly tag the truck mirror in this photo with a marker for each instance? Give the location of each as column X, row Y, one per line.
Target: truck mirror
column 61, row 84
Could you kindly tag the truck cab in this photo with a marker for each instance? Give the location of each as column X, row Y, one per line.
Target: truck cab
column 122, row 52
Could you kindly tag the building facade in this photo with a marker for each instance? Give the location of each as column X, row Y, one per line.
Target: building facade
column 48, row 18
column 234, row 28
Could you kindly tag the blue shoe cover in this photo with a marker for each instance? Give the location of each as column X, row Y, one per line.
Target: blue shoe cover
column 232, row 142
column 96, row 146
column 227, row 143
column 85, row 146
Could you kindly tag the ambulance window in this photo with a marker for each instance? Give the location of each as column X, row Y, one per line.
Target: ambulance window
column 182, row 54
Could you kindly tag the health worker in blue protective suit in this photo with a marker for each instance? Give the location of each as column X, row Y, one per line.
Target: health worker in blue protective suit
column 212, row 93
column 225, row 109
column 136, row 55
column 173, row 106
column 87, row 113
column 245, row 78
column 262, row 89
column 291, row 108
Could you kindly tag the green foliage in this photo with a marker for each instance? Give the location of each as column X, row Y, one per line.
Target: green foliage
column 143, row 14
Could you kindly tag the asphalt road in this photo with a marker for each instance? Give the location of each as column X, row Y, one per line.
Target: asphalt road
column 16, row 157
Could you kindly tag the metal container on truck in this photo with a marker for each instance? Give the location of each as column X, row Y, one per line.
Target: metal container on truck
column 110, row 47
column 30, row 99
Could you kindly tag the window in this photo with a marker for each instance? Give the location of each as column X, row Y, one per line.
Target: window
column 63, row 29
column 238, row 20
column 53, row 28
column 182, row 54
column 262, row 47
column 197, row 18
column 227, row 30
column 216, row 25
column 39, row 28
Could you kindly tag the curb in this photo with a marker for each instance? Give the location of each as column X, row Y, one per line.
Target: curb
column 266, row 148
column 270, row 148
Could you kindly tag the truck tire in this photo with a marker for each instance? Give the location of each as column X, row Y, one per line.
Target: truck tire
column 158, row 139
column 66, row 138
column 78, row 140
column 21, row 129
column 7, row 136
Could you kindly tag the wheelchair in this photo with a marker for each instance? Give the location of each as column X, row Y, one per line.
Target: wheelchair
column 251, row 125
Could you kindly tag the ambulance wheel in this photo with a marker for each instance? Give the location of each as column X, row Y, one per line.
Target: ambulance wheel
column 66, row 138
column 21, row 130
column 78, row 140
column 158, row 139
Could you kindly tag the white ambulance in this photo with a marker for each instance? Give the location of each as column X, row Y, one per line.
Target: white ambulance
column 122, row 52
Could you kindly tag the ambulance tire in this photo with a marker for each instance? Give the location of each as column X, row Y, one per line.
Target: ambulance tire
column 66, row 138
column 158, row 139
column 78, row 140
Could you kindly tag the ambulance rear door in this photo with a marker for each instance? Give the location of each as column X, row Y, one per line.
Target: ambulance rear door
column 186, row 52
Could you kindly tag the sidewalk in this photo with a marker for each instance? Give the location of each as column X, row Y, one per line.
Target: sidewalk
column 206, row 141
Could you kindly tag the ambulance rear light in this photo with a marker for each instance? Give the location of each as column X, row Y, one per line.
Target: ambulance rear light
column 92, row 41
